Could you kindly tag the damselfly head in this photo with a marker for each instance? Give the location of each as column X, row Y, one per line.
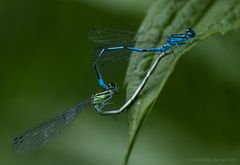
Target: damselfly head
column 190, row 33
column 113, row 86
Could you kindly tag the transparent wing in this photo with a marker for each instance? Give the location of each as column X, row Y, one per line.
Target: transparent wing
column 109, row 37
column 40, row 135
column 112, row 55
column 117, row 55
column 106, row 38
column 121, row 55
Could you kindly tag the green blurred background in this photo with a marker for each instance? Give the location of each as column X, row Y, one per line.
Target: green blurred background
column 46, row 67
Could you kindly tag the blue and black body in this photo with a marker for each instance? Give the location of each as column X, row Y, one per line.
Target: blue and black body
column 172, row 41
column 40, row 135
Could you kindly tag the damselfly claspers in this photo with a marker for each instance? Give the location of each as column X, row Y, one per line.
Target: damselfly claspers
column 101, row 36
column 174, row 40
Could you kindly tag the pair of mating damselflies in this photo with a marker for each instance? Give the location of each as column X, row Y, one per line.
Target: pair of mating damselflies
column 114, row 41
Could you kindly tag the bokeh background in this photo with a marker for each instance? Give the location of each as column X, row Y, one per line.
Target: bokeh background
column 46, row 67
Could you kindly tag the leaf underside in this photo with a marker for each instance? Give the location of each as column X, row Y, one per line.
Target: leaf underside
column 206, row 17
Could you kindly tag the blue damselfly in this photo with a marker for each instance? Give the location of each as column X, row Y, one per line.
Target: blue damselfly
column 123, row 41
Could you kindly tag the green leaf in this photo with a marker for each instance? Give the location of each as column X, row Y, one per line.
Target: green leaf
column 206, row 17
